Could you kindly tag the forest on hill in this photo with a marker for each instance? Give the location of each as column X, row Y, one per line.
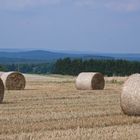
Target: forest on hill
column 68, row 66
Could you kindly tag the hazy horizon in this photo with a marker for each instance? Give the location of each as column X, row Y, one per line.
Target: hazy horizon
column 65, row 51
column 88, row 26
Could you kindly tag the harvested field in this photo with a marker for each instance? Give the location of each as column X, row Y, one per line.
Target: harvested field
column 50, row 107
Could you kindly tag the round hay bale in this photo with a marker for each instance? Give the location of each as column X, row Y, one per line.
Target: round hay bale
column 1, row 72
column 1, row 91
column 130, row 96
column 13, row 80
column 90, row 81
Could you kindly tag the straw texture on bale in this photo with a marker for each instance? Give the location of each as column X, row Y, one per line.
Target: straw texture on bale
column 130, row 96
column 1, row 73
column 90, row 81
column 13, row 80
column 1, row 91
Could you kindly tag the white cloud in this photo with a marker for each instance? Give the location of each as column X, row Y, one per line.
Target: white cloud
column 21, row 4
column 85, row 2
column 123, row 5
column 118, row 5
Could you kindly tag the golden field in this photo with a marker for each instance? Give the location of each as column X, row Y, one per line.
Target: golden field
column 50, row 108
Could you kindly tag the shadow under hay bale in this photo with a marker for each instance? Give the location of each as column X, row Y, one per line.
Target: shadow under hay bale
column 1, row 91
column 13, row 80
column 130, row 96
column 90, row 81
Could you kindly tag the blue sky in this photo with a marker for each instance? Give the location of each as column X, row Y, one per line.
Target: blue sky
column 101, row 26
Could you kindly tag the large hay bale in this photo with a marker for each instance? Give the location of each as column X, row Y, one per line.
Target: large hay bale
column 13, row 80
column 1, row 72
column 130, row 96
column 90, row 81
column 1, row 91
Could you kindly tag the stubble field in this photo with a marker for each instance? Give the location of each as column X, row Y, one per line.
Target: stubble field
column 50, row 108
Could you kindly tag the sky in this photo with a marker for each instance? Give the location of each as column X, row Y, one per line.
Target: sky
column 97, row 26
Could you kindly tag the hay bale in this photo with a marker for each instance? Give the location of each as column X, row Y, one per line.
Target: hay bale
column 90, row 81
column 13, row 80
column 1, row 91
column 1, row 72
column 130, row 96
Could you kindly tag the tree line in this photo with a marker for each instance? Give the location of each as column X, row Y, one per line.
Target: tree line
column 107, row 67
column 41, row 68
column 69, row 66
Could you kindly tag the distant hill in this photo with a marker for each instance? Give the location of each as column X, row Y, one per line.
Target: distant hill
column 36, row 55
column 39, row 56
column 5, row 60
column 129, row 56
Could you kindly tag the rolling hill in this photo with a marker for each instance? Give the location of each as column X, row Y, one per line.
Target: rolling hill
column 40, row 56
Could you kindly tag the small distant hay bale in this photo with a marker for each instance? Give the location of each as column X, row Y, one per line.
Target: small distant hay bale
column 13, row 80
column 1, row 91
column 90, row 81
column 130, row 96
